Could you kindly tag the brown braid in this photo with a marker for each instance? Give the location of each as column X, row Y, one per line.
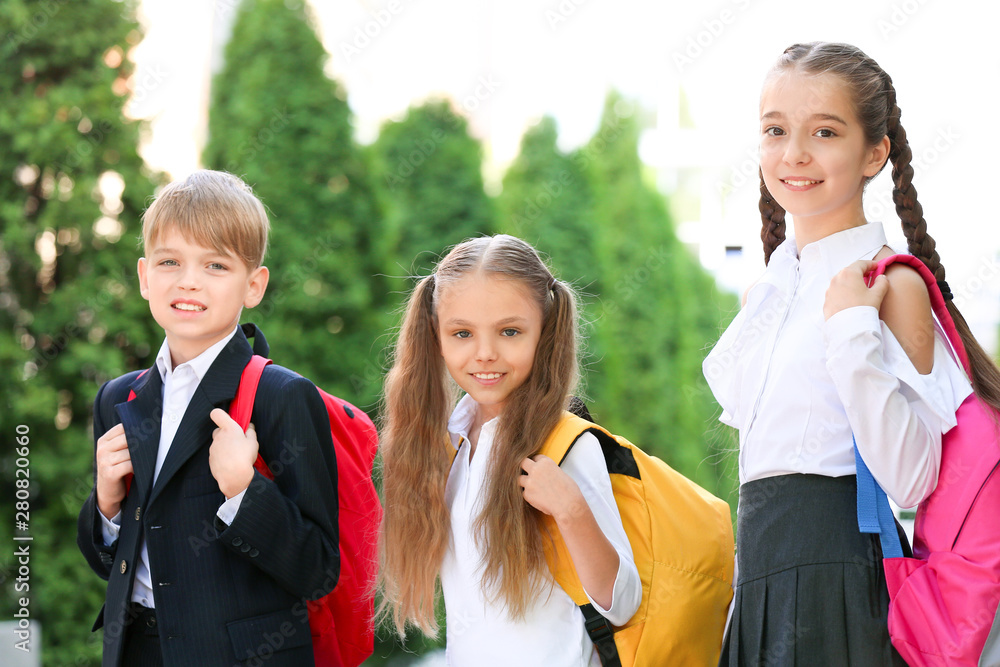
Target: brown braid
column 875, row 103
column 904, row 195
column 985, row 375
column 772, row 218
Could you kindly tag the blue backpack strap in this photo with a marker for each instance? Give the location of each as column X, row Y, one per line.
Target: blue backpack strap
column 874, row 513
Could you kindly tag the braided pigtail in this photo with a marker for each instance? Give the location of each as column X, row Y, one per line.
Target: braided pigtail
column 985, row 375
column 772, row 217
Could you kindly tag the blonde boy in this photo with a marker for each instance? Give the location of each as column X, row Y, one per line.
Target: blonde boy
column 208, row 562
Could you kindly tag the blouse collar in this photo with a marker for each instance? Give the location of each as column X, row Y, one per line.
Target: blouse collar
column 832, row 253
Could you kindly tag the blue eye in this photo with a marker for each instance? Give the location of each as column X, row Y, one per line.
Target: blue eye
column 168, row 262
column 509, row 332
column 462, row 334
column 217, row 267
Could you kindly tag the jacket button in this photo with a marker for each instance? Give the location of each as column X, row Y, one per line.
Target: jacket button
column 245, row 548
column 253, row 553
column 124, row 567
column 138, row 513
column 237, row 541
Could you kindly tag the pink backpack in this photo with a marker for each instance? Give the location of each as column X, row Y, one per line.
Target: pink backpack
column 943, row 600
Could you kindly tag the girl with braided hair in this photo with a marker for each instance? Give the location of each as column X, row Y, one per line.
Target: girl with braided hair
column 816, row 359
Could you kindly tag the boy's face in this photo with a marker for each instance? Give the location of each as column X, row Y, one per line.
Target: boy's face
column 195, row 293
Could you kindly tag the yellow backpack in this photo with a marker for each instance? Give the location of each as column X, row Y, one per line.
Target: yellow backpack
column 682, row 542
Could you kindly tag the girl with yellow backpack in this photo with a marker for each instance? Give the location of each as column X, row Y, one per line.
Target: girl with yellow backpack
column 533, row 558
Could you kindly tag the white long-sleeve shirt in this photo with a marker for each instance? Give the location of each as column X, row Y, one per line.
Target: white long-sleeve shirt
column 797, row 386
column 552, row 633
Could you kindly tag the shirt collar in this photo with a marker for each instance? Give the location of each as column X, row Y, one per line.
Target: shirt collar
column 832, row 253
column 199, row 364
column 461, row 418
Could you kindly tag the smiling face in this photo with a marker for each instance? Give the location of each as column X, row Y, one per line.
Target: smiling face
column 488, row 330
column 195, row 293
column 813, row 153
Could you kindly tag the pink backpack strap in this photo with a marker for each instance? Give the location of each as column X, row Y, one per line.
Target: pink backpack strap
column 938, row 303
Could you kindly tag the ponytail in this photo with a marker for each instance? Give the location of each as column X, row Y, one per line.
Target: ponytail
column 415, row 462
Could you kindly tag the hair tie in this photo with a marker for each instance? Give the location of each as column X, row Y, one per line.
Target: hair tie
column 552, row 283
column 945, row 290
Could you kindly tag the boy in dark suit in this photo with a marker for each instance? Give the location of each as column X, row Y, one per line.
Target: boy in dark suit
column 208, row 562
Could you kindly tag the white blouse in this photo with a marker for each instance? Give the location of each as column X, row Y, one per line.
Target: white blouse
column 797, row 386
column 552, row 633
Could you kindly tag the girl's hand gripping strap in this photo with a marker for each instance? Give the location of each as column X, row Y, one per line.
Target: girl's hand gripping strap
column 874, row 513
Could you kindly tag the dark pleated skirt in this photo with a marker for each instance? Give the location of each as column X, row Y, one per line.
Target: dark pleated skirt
column 811, row 589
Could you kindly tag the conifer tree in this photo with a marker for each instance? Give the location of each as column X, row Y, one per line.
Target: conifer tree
column 657, row 314
column 547, row 201
column 431, row 169
column 278, row 121
column 71, row 194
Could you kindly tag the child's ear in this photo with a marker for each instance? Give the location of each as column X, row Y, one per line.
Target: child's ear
column 256, row 286
column 876, row 159
column 143, row 281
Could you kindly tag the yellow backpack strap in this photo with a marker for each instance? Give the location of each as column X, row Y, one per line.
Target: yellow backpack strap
column 556, row 447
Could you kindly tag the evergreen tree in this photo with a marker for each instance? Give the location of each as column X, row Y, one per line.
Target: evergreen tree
column 279, row 122
column 431, row 169
column 71, row 195
column 657, row 314
column 547, row 201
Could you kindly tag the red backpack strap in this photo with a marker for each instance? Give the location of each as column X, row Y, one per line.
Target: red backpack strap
column 938, row 304
column 241, row 408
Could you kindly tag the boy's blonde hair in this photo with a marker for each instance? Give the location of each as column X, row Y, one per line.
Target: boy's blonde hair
column 213, row 209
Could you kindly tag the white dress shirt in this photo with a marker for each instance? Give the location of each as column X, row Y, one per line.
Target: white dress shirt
column 179, row 385
column 552, row 634
column 797, row 386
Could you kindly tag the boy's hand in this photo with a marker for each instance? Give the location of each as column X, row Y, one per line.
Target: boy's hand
column 113, row 464
column 848, row 289
column 232, row 454
column 549, row 489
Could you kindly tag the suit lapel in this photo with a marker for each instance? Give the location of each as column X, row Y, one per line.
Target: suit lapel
column 216, row 390
column 141, row 419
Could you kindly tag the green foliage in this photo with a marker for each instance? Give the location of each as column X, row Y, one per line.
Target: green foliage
column 657, row 314
column 279, row 122
column 430, row 167
column 547, row 200
column 71, row 195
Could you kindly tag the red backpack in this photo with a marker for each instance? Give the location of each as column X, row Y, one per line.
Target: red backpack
column 943, row 601
column 342, row 623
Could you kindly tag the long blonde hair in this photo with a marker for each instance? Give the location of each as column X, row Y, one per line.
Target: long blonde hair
column 417, row 451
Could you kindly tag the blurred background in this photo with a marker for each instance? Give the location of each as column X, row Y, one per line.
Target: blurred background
column 618, row 137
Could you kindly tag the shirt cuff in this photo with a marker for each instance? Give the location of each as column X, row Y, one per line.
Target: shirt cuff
column 624, row 590
column 110, row 527
column 227, row 512
column 848, row 323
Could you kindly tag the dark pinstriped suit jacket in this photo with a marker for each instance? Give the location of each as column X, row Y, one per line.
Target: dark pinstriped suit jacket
column 224, row 595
